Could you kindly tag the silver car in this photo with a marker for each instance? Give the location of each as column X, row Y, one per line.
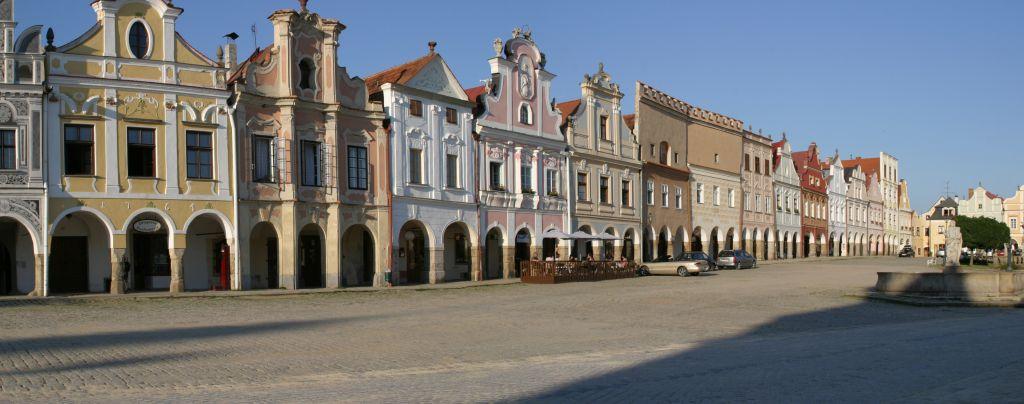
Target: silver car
column 735, row 259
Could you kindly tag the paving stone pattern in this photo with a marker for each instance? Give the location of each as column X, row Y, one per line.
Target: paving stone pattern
column 790, row 332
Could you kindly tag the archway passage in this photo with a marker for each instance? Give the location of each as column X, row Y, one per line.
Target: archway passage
column 714, row 243
column 457, row 247
column 627, row 245
column 150, row 253
column 207, row 259
column 663, row 242
column 607, row 246
column 765, row 250
column 832, row 245
column 264, row 260
column 807, row 245
column 17, row 259
column 522, row 253
column 583, row 249
column 80, row 256
column 698, row 240
column 311, row 258
column 357, row 257
column 648, row 246
column 753, row 243
column 729, row 235
column 413, row 247
column 493, row 254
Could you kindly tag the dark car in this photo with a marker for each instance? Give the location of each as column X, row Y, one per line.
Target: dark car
column 736, row 259
column 979, row 259
column 907, row 252
column 698, row 256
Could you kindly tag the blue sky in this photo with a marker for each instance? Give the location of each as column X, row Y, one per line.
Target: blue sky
column 939, row 84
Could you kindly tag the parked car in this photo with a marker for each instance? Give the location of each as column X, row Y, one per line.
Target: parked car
column 698, row 256
column 680, row 268
column 907, row 252
column 735, row 259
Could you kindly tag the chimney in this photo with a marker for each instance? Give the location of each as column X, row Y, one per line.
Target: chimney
column 431, row 45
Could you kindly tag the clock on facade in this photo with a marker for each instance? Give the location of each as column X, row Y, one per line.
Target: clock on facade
column 525, row 78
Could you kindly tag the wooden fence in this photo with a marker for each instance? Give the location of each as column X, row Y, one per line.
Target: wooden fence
column 549, row 272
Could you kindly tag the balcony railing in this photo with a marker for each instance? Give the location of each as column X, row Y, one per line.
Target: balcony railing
column 550, row 272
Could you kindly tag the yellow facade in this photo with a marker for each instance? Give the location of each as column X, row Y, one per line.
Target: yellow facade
column 101, row 87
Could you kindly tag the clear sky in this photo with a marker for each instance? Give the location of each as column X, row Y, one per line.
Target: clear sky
column 937, row 83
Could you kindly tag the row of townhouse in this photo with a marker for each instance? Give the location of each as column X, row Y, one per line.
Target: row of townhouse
column 929, row 227
column 129, row 160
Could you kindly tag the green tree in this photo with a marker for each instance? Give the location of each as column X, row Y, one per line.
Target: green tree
column 983, row 233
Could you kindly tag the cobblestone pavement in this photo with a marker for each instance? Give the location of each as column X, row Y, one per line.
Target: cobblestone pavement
column 786, row 332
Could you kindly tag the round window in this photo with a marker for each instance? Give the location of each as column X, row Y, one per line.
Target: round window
column 138, row 40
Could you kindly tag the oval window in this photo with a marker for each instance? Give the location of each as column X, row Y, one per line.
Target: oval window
column 138, row 40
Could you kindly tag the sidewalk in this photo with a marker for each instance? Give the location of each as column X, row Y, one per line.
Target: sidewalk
column 264, row 292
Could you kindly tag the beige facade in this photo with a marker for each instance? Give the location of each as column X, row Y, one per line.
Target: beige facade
column 759, row 234
column 604, row 159
column 714, row 156
column 1013, row 215
column 661, row 129
column 144, row 190
column 981, row 202
column 312, row 210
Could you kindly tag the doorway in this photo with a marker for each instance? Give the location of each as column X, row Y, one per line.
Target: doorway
column 69, row 267
column 272, row 260
column 309, row 262
column 151, row 263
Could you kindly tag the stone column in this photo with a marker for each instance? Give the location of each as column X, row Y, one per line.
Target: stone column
column 177, row 270
column 40, row 275
column 616, row 250
column 476, row 262
column 508, row 265
column 437, row 266
column 116, row 273
column 771, row 251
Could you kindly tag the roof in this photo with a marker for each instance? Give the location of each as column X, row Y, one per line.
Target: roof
column 567, row 109
column 630, row 121
column 473, row 93
column 257, row 56
column 989, row 194
column 870, row 166
column 400, row 74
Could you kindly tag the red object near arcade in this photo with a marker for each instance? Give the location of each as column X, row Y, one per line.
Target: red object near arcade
column 225, row 257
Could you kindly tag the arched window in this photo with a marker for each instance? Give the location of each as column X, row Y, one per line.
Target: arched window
column 138, row 40
column 525, row 114
column 306, row 74
column 664, row 151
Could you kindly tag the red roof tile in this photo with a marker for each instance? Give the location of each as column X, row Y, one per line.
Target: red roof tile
column 473, row 93
column 870, row 166
column 400, row 74
column 630, row 121
column 568, row 108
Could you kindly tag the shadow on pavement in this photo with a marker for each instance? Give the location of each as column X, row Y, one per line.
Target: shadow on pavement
column 866, row 352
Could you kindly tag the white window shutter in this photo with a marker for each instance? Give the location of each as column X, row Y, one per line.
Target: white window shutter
column 273, row 159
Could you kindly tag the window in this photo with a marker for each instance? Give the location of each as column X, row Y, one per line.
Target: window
column 525, row 115
column 650, row 193
column 757, row 203
column 358, row 172
column 717, row 158
column 199, row 154
column 664, row 196
column 700, row 193
column 263, row 159
column 415, row 166
column 732, row 198
column 746, row 162
column 606, row 133
column 652, row 150
column 757, row 165
column 138, row 40
column 663, row 152
column 451, row 116
column 605, row 190
column 1013, row 223
column 141, row 152
column 6, row 149
column 415, row 107
column 581, row 186
column 767, row 167
column 312, row 164
column 717, row 195
column 675, row 157
column 306, row 69
column 526, row 178
column 451, row 171
column 679, row 198
column 495, row 176
column 551, row 177
column 78, row 149
column 627, row 190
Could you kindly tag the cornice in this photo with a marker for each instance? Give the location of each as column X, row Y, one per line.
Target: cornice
column 714, row 118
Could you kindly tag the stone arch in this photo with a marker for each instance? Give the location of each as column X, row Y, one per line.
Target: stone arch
column 412, row 244
column 494, row 252
column 167, row 220
column 99, row 215
column 209, row 249
column 359, row 255
column 21, row 263
column 264, row 256
column 682, row 240
column 664, row 241
column 699, row 240
column 457, row 252
column 629, row 244
column 311, row 271
column 82, row 234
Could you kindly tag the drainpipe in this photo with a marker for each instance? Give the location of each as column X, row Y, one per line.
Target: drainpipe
column 236, row 263
column 391, row 213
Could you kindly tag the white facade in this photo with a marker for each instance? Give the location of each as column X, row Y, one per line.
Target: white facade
column 857, row 210
column 787, row 200
column 982, row 203
column 837, row 207
column 22, row 157
column 889, row 170
column 433, row 168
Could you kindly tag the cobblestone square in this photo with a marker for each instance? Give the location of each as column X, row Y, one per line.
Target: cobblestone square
column 787, row 332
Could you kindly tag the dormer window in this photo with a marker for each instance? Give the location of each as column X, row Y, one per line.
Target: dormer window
column 306, row 69
column 138, row 40
column 525, row 114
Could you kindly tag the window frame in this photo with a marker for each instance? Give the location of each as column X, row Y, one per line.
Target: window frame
column 451, row 116
column 604, row 190
column 271, row 164
column 451, row 174
column 358, row 174
column 649, row 193
column 317, row 173
column 495, row 179
column 80, row 143
column 526, row 178
column 626, row 193
column 130, row 36
column 416, row 171
column 131, row 148
column 199, row 150
column 605, row 128
column 11, row 163
column 416, row 108
column 583, row 186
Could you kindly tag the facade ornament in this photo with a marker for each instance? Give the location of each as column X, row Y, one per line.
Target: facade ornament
column 498, row 46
